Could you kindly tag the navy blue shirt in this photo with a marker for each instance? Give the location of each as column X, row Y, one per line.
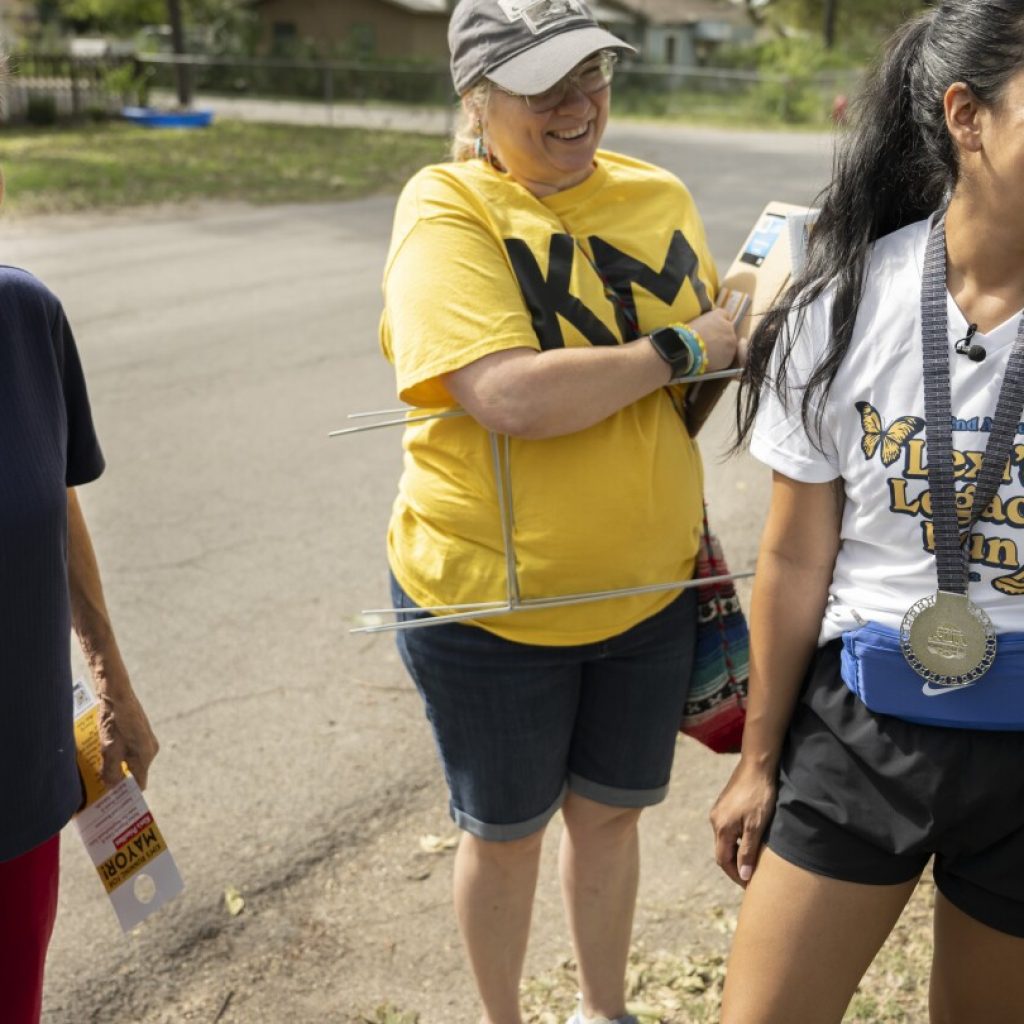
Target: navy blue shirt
column 47, row 444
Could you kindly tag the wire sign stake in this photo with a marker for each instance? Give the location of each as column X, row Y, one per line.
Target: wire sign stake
column 513, row 602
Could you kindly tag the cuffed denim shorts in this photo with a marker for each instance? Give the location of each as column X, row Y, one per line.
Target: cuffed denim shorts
column 517, row 725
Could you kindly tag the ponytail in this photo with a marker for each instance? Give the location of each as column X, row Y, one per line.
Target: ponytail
column 897, row 166
column 468, row 121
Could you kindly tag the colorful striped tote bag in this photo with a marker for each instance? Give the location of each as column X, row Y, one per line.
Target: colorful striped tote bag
column 716, row 705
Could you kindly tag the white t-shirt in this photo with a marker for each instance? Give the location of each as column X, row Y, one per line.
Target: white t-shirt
column 874, row 437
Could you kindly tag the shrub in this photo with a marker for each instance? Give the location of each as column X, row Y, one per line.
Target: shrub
column 129, row 82
column 41, row 110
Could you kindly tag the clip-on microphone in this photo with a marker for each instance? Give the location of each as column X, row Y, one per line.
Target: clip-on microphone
column 964, row 346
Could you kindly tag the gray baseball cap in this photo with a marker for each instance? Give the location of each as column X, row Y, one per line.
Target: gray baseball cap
column 524, row 46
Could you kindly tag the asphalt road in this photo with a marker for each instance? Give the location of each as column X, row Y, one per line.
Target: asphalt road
column 238, row 543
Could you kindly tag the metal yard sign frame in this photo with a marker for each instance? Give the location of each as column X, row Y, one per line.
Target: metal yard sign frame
column 513, row 602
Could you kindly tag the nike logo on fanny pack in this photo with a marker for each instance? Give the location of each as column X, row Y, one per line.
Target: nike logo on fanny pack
column 937, row 691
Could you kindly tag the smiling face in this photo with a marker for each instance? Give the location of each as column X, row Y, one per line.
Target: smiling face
column 550, row 151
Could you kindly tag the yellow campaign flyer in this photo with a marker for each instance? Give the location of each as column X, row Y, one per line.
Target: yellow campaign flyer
column 119, row 831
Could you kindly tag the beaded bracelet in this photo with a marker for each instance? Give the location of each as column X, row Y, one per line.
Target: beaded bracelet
column 695, row 343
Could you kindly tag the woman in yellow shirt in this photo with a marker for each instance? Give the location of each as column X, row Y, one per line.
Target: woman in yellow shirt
column 524, row 283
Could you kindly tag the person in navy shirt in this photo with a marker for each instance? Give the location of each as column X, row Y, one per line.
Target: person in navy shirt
column 49, row 583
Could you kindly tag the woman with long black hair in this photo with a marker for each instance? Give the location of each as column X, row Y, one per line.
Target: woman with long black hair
column 886, row 392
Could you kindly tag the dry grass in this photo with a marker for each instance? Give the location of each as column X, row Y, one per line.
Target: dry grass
column 116, row 165
column 686, row 987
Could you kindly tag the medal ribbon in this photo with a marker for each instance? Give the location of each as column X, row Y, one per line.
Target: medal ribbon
column 950, row 542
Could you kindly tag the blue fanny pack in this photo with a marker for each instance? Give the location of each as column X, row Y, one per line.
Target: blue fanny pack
column 874, row 668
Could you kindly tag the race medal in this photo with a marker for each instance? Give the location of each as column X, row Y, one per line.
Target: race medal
column 947, row 640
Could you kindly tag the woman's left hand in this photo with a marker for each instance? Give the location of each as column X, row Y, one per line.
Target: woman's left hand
column 125, row 733
column 719, row 334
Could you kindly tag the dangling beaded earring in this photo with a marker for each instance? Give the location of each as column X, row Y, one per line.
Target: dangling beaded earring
column 480, row 147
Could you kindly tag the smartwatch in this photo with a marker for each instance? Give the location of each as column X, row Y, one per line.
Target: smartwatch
column 682, row 348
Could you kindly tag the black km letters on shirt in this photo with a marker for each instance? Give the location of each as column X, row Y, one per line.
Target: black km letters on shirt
column 548, row 297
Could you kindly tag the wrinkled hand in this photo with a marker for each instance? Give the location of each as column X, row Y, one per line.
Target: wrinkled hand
column 719, row 335
column 739, row 818
column 125, row 735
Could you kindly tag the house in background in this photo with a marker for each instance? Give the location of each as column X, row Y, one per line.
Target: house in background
column 679, row 33
column 382, row 29
column 17, row 19
column 672, row 33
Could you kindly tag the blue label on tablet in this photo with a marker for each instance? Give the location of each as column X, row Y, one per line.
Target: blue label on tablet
column 763, row 240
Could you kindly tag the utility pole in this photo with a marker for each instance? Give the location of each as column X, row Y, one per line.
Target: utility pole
column 182, row 71
column 831, row 10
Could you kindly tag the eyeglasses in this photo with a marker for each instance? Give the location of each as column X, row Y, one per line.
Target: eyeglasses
column 589, row 79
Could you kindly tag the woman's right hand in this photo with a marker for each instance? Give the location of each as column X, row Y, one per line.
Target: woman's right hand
column 719, row 335
column 739, row 819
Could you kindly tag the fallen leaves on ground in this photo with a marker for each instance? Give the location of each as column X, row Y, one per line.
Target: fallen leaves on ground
column 661, row 988
column 438, row 844
column 388, row 1014
column 686, row 988
column 234, row 901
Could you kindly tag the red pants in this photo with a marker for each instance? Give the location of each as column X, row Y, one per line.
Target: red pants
column 28, row 906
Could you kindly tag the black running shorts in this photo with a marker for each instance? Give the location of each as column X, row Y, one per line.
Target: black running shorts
column 869, row 798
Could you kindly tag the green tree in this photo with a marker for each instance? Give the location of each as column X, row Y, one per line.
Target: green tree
column 218, row 26
column 125, row 17
column 116, row 16
column 851, row 24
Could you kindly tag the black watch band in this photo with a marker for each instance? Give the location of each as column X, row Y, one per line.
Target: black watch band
column 671, row 347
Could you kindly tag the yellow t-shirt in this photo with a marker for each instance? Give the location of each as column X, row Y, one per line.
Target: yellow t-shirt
column 478, row 265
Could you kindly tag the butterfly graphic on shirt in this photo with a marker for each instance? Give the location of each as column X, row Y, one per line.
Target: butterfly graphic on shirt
column 890, row 439
column 1012, row 584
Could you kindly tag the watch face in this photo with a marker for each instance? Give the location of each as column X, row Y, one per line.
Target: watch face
column 672, row 348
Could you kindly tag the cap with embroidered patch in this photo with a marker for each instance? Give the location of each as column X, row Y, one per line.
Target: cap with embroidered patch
column 524, row 46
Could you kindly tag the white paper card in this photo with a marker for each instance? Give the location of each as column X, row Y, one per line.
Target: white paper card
column 119, row 831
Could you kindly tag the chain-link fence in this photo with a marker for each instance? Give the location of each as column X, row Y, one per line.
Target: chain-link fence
column 733, row 96
column 78, row 86
column 322, row 81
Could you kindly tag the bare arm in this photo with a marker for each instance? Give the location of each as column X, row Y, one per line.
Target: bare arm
column 525, row 393
column 794, row 570
column 125, row 733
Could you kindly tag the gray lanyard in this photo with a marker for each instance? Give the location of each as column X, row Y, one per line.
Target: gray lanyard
column 950, row 541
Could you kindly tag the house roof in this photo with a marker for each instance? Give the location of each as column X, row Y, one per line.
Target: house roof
column 661, row 12
column 413, row 6
column 610, row 12
column 685, row 12
column 422, row 6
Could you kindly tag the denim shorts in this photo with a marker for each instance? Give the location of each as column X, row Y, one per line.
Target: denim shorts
column 516, row 725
